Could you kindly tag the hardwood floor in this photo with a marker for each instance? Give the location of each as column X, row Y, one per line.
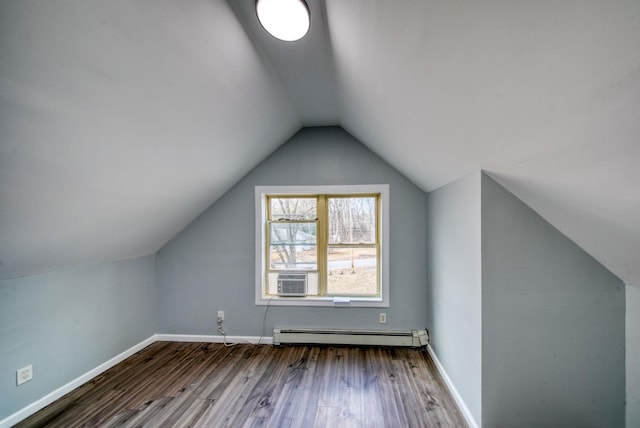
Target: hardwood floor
column 210, row 385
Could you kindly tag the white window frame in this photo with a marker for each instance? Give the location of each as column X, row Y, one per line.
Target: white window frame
column 262, row 298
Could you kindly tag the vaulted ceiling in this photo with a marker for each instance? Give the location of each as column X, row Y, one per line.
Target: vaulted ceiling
column 121, row 121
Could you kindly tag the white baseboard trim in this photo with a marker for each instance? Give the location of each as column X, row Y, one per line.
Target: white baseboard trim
column 254, row 340
column 454, row 392
column 65, row 389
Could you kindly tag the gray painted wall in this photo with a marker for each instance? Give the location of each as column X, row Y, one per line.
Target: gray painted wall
column 209, row 266
column 633, row 355
column 553, row 324
column 454, row 278
column 68, row 322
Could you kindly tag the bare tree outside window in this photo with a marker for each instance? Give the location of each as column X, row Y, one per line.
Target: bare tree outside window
column 292, row 234
column 352, row 253
column 352, row 220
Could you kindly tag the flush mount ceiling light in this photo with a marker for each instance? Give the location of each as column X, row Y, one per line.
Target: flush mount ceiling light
column 286, row 20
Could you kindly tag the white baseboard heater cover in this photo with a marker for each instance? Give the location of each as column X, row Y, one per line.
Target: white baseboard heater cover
column 312, row 336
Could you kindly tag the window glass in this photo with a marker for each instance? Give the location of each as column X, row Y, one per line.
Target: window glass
column 293, row 246
column 293, row 209
column 352, row 270
column 352, row 220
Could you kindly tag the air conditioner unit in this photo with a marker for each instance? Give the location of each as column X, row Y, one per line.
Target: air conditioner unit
column 292, row 284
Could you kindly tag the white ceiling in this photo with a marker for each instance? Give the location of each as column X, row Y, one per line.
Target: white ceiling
column 121, row 121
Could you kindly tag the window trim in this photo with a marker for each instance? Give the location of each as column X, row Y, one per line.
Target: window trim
column 261, row 298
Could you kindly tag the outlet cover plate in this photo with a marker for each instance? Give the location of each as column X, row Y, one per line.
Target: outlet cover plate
column 24, row 374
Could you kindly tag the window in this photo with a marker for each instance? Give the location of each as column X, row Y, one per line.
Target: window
column 322, row 245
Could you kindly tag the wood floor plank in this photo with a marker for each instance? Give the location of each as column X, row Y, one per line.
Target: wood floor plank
column 203, row 385
column 194, row 413
column 233, row 402
column 330, row 380
column 290, row 394
column 259, row 396
column 272, row 387
column 253, row 422
column 384, row 382
column 319, row 360
column 372, row 407
column 121, row 419
column 305, row 390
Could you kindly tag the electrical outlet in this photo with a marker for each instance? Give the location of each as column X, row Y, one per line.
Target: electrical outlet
column 383, row 318
column 220, row 316
column 24, row 374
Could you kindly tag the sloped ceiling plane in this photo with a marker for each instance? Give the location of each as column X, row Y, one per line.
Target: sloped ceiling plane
column 121, row 121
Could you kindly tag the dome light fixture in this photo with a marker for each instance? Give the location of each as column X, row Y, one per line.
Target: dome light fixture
column 287, row 20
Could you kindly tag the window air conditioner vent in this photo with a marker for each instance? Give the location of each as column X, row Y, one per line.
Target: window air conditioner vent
column 292, row 284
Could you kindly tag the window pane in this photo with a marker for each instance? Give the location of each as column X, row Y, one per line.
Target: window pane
column 293, row 246
column 293, row 209
column 352, row 271
column 293, row 233
column 352, row 220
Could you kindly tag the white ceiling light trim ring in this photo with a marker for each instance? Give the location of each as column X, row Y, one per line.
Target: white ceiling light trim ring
column 287, row 20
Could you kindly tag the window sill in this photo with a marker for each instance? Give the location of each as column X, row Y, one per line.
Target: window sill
column 330, row 302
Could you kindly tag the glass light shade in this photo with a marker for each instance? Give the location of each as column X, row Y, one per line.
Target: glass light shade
column 286, row 20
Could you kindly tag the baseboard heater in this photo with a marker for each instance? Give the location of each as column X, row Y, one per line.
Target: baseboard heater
column 312, row 336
